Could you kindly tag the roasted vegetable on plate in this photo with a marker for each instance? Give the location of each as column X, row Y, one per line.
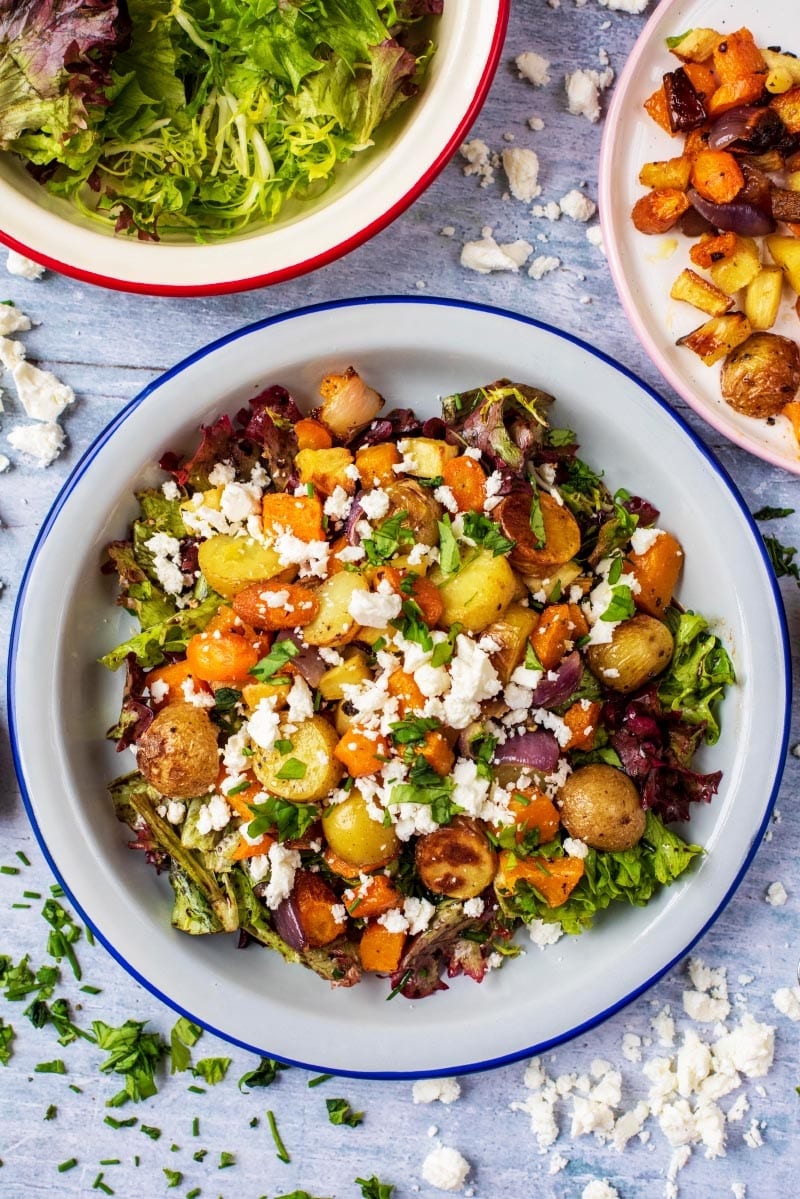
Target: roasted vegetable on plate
column 733, row 186
column 401, row 688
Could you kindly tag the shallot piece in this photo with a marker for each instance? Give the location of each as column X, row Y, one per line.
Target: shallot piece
column 349, row 405
column 538, row 750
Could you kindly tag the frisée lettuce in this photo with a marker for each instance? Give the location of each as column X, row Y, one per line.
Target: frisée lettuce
column 173, row 116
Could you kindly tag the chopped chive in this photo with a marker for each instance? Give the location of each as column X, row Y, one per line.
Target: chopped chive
column 112, row 1122
column 174, row 1177
column 197, row 1090
column 282, row 1154
column 90, row 990
column 254, row 1122
column 99, row 1185
column 89, row 935
column 150, row 1131
column 136, row 1159
column 193, row 1193
column 51, row 1112
column 21, row 905
column 199, row 1154
column 174, row 1148
column 196, row 1127
column 226, row 1159
column 22, row 858
column 56, row 890
column 67, row 1165
column 9, row 869
column 76, row 1089
column 110, row 1161
column 320, row 1078
column 54, row 1067
column 31, row 895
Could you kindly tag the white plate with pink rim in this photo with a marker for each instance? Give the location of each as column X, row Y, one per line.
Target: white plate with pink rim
column 644, row 267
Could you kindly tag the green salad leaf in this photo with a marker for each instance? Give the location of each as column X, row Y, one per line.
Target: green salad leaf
column 698, row 674
column 169, row 635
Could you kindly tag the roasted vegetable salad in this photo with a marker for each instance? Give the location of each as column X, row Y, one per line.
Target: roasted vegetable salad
column 733, row 186
column 401, row 688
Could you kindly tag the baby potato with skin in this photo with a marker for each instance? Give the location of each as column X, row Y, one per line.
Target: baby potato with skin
column 178, row 753
column 602, row 807
column 639, row 650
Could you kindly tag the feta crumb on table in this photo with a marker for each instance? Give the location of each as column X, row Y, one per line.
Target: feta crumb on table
column 577, row 206
column 776, row 895
column 583, row 91
column 521, row 166
column 533, row 67
column 445, row 1168
column 486, row 256
column 429, row 1090
column 12, row 320
column 42, row 442
column 26, row 268
column 545, row 264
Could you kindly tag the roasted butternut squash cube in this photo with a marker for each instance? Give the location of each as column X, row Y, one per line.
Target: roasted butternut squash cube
column 659, row 210
column 693, row 289
column 672, row 172
column 325, row 469
column 717, row 337
column 787, row 107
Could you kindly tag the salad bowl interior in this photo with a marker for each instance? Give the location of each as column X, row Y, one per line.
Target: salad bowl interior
column 360, row 198
column 412, row 352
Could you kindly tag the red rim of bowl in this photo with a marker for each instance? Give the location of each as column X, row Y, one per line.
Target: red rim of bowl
column 608, row 149
column 326, row 256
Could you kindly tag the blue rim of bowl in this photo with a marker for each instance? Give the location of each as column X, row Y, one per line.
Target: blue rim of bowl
column 298, row 313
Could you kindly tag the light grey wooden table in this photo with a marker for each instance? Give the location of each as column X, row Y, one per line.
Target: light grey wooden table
column 108, row 346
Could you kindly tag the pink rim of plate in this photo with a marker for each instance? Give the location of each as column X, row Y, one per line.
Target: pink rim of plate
column 326, row 256
column 608, row 151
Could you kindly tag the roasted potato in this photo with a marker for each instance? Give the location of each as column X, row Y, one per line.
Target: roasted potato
column 355, row 837
column 178, row 753
column 352, row 671
column 231, row 563
column 312, row 747
column 325, row 469
column 717, row 337
column 426, row 456
column 639, row 649
column 333, row 624
column 562, row 536
column 601, row 806
column 762, row 299
column 423, row 510
column 478, row 594
column 761, row 375
column 511, row 632
column 456, row 860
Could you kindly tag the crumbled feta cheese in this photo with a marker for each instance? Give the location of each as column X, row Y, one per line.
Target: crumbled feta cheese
column 331, row 657
column 473, row 679
column 594, row 234
column 536, row 124
column 310, row 556
column 432, row 680
column 630, row 6
column 300, row 701
column 643, row 539
column 213, row 816
column 221, row 473
column 445, row 1169
column 198, row 699
column 11, row 352
column 351, row 553
column 787, row 1001
column 264, row 724
column 776, row 895
column 170, row 490
column 583, row 91
column 166, row 551
column 283, row 864
column 575, row 848
column 705, row 1008
column 418, row 913
column 748, row 1049
column 339, row 913
column 176, row 811
column 394, row 921
column 522, row 171
column 12, row 320
column 577, row 206
column 632, row 1047
column 431, row 1090
column 375, row 609
column 543, row 265
column 533, row 67
column 26, row 268
column 159, row 690
column 43, row 442
column 550, row 211
column 375, row 504
column 544, row 933
column 480, row 160
column 238, row 501
column 486, row 256
column 474, row 907
column 599, row 1188
column 445, row 497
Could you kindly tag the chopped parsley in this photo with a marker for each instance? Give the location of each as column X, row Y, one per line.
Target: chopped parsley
column 184, row 1034
column 226, row 1159
column 449, row 556
column 319, row 1079
column 290, row 819
column 425, row 786
column 132, row 1053
column 768, row 513
column 264, row 1074
column 174, row 1177
column 413, row 729
column 412, row 625
column 63, row 935
column 486, row 533
column 292, row 768
column 281, row 653
column 340, row 1112
column 373, row 1188
column 782, row 558
column 536, row 519
column 55, row 1067
column 443, row 650
column 212, row 1069
column 388, row 539
column 6, row 1037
